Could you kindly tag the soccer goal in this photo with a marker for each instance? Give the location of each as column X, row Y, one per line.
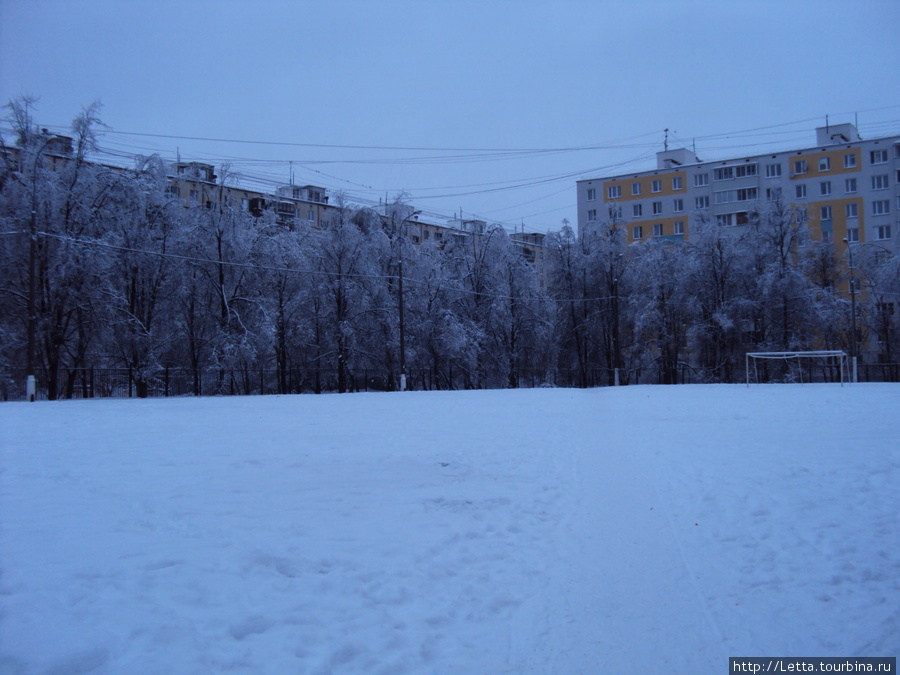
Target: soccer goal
column 827, row 358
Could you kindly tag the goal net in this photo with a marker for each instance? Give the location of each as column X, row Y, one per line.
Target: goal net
column 825, row 360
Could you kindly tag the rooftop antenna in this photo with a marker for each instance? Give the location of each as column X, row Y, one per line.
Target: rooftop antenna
column 292, row 172
column 666, row 142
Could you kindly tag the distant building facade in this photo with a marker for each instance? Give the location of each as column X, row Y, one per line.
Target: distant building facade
column 850, row 189
column 196, row 184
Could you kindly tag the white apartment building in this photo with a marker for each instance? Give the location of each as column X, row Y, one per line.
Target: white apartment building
column 850, row 189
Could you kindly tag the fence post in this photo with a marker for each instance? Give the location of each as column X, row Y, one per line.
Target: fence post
column 129, row 381
column 92, row 382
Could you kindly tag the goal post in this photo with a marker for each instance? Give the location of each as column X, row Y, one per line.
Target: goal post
column 829, row 356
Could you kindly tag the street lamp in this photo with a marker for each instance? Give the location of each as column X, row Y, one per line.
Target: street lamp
column 853, row 343
column 30, row 380
column 400, row 291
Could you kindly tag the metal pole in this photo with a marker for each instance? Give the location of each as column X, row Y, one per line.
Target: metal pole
column 30, row 385
column 400, row 291
column 402, row 332
column 854, row 350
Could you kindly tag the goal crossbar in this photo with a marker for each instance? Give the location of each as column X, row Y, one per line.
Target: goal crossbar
column 786, row 356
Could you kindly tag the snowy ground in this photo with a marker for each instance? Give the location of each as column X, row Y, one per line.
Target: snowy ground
column 542, row 531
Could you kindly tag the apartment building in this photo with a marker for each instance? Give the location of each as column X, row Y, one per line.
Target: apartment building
column 850, row 188
column 195, row 183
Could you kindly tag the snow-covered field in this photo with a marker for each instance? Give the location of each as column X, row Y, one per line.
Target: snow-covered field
column 639, row 529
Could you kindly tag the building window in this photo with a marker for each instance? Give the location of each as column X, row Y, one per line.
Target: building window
column 801, row 191
column 657, row 208
column 852, row 210
column 656, row 185
column 615, row 212
column 740, row 195
column 679, row 227
column 825, row 212
column 880, row 182
column 679, row 205
column 592, row 194
column 614, row 192
column 850, row 185
column 852, row 234
column 725, row 173
column 800, row 166
column 878, row 156
column 657, row 230
column 773, row 194
column 701, row 179
column 883, row 232
column 635, row 188
column 825, row 164
column 637, row 232
column 701, row 202
column 731, row 219
column 773, row 170
column 746, row 170
column 881, row 207
column 825, row 188
column 849, row 160
column 677, row 183
column 827, row 236
column 637, row 210
column 592, row 215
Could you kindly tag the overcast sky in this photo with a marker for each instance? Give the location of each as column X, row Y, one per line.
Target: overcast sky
column 447, row 95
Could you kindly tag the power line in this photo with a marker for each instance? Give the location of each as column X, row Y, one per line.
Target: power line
column 290, row 270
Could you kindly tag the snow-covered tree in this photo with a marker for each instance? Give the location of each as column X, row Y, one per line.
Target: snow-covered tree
column 779, row 244
column 663, row 306
column 718, row 268
column 56, row 201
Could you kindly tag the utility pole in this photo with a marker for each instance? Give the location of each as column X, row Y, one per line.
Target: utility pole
column 400, row 292
column 854, row 348
column 30, row 380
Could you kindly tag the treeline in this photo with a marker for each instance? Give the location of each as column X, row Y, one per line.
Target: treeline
column 110, row 271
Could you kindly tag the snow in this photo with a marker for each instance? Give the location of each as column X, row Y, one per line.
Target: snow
column 632, row 529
